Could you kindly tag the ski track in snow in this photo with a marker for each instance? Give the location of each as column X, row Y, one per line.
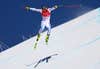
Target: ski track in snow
column 91, row 41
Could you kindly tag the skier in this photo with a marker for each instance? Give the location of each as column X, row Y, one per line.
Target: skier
column 45, row 13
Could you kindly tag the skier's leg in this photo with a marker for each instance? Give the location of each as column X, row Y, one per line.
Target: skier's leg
column 48, row 32
column 49, row 29
column 40, row 31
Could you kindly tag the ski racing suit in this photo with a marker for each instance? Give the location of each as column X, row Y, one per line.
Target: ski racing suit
column 45, row 18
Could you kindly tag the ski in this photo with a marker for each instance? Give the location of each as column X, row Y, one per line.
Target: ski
column 38, row 38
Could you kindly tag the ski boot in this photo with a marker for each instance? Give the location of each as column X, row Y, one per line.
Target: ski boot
column 47, row 38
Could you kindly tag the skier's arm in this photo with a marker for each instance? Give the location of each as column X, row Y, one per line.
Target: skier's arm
column 53, row 8
column 33, row 9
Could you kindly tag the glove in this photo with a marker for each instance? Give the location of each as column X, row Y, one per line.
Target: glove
column 55, row 6
column 27, row 8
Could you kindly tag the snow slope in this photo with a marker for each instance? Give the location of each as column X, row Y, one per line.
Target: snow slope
column 76, row 42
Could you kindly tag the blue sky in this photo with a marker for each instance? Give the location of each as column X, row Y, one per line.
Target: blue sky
column 15, row 21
